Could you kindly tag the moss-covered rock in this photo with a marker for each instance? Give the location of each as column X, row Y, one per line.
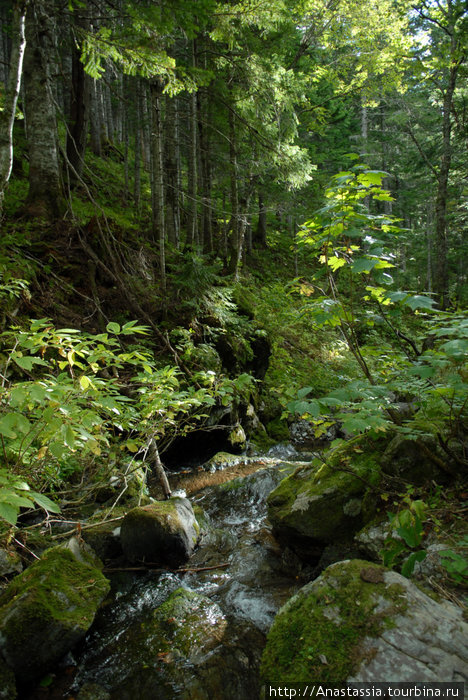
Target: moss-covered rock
column 172, row 653
column 222, row 460
column 48, row 608
column 10, row 562
column 360, row 622
column 164, row 532
column 317, row 634
column 316, row 505
column 7, row 682
column 104, row 538
column 412, row 460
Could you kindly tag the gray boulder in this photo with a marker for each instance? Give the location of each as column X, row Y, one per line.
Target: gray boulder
column 164, row 532
column 360, row 622
column 48, row 608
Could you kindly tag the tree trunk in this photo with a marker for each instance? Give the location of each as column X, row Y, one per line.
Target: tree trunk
column 138, row 147
column 233, row 242
column 157, row 179
column 261, row 230
column 429, row 247
column 44, row 198
column 172, row 171
column 441, row 275
column 205, row 177
column 95, row 119
column 192, row 218
column 79, row 107
column 12, row 89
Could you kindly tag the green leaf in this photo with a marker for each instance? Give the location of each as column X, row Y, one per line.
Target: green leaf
column 57, row 449
column 69, row 437
column 408, row 567
column 45, row 502
column 84, row 382
column 7, row 423
column 458, row 348
column 113, row 327
column 303, row 392
column 9, row 513
column 371, row 177
column 364, row 265
column 422, row 371
column 14, row 499
column 28, row 363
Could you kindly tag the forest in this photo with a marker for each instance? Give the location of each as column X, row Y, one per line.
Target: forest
column 226, row 226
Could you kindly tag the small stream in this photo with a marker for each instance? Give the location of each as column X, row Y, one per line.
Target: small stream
column 120, row 658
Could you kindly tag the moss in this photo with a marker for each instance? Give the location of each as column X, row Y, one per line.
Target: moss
column 45, row 610
column 278, row 429
column 7, row 682
column 261, row 441
column 58, row 570
column 325, row 500
column 221, row 460
column 328, row 619
column 188, row 622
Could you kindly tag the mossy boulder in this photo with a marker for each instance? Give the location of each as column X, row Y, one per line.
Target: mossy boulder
column 222, row 460
column 318, row 504
column 7, row 682
column 10, row 562
column 358, row 622
column 48, row 608
column 412, row 460
column 164, row 532
column 168, row 654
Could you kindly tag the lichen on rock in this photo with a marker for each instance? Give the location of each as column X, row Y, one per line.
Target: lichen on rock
column 318, row 504
column 359, row 622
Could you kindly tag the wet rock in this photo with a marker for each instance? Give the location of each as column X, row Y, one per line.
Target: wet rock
column 222, row 460
column 164, row 532
column 431, row 566
column 407, row 459
column 10, row 562
column 302, row 434
column 367, row 623
column 283, row 451
column 185, row 649
column 48, row 608
column 92, row 691
column 315, row 506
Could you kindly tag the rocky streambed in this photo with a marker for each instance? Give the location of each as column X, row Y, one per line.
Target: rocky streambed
column 247, row 606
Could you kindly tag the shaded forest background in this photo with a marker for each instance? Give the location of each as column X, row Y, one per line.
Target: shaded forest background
column 158, row 162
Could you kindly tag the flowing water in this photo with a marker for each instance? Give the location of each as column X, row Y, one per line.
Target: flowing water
column 237, row 582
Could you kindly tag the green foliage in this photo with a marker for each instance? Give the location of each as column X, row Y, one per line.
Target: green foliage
column 73, row 403
column 455, row 564
column 352, row 246
column 408, row 525
column 15, row 494
column 403, row 547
